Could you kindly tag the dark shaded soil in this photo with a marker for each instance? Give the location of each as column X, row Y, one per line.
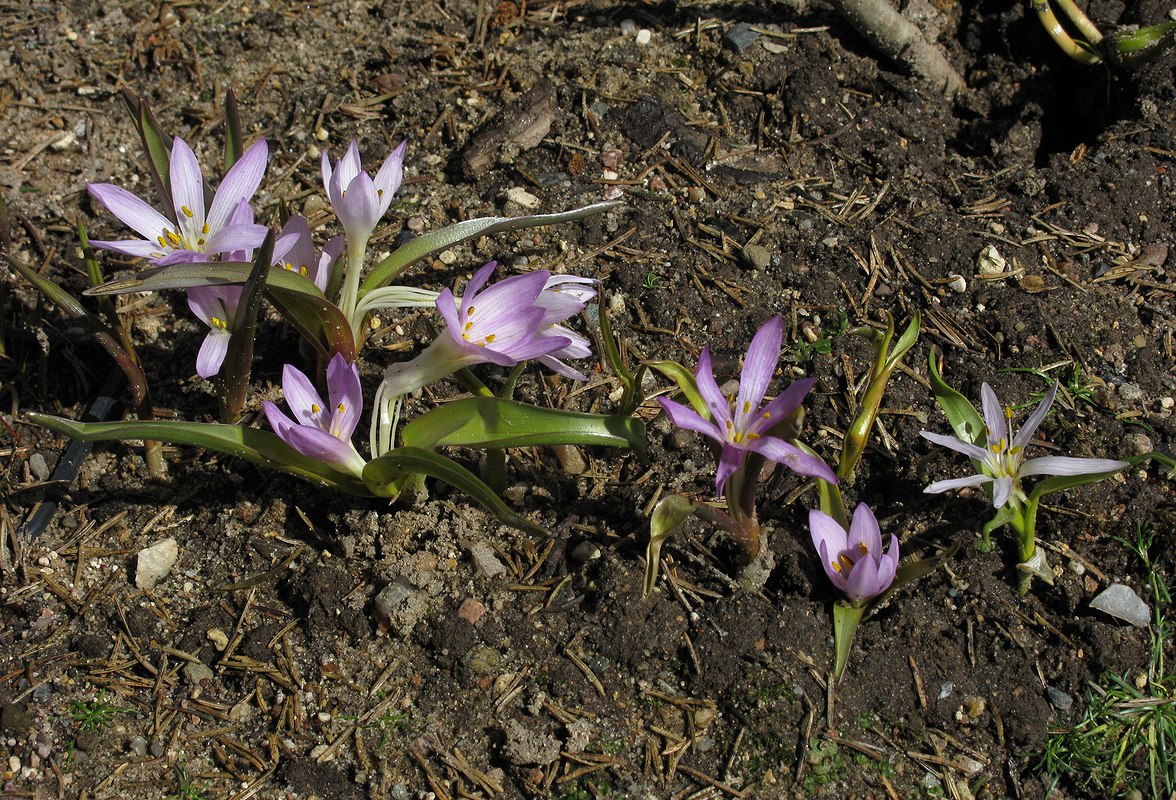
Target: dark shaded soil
column 353, row 650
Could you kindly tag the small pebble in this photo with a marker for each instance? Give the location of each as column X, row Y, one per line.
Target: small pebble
column 155, row 562
column 39, row 467
column 585, row 551
column 628, row 27
column 219, row 639
column 695, row 194
column 485, row 560
column 990, row 262
column 571, row 460
column 1059, row 699
column 756, row 256
column 471, row 610
column 957, row 283
column 447, row 257
column 196, row 673
column 1077, row 567
column 644, row 36
column 1130, row 392
column 740, row 37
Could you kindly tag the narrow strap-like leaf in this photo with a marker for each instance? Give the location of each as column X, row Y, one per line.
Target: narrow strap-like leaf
column 430, row 243
column 384, row 476
column 234, row 140
column 239, row 359
column 963, row 417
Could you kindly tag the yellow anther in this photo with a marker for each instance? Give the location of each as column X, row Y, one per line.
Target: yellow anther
column 204, row 229
column 863, row 548
column 379, row 192
column 187, row 212
column 470, row 313
column 836, row 566
column 753, row 436
column 467, row 327
column 490, row 337
column 767, row 415
column 162, row 241
column 217, row 322
column 339, row 409
column 171, row 237
column 314, row 408
column 1008, row 412
column 746, row 406
column 304, row 271
column 200, row 242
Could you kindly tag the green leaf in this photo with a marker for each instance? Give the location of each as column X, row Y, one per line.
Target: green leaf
column 297, row 299
column 494, row 422
column 157, row 145
column 963, row 417
column 126, row 359
column 385, row 476
column 429, row 243
column 670, row 512
column 829, row 497
column 239, row 358
column 684, row 378
column 258, row 446
column 234, row 139
column 905, row 342
column 1132, row 48
column 846, row 619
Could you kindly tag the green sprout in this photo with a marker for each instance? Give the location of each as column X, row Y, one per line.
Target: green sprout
column 94, row 715
column 1125, row 743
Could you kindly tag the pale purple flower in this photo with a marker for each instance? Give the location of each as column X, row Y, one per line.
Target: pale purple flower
column 742, row 424
column 854, row 561
column 295, row 251
column 514, row 320
column 321, row 430
column 196, row 235
column 215, row 306
column 1002, row 461
column 358, row 199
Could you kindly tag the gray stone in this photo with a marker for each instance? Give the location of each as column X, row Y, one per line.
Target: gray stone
column 1059, row 699
column 571, row 460
column 485, row 560
column 39, row 467
column 1123, row 603
column 1130, row 392
column 526, row 746
column 756, row 256
column 196, row 673
column 155, row 562
column 740, row 37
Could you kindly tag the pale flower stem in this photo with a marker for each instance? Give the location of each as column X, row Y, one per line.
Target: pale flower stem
column 349, row 298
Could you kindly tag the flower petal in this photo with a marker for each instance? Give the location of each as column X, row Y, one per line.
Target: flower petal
column 1002, row 490
column 762, row 356
column 863, row 581
column 828, row 534
column 323, row 446
column 239, row 184
column 837, row 578
column 959, row 445
column 1066, row 465
column 236, row 237
column 277, row 420
column 683, row 416
column 994, row 417
column 704, row 378
column 140, row 248
column 1035, row 419
column 211, row 355
column 730, row 459
column 346, row 396
column 187, row 185
column 131, row 211
column 560, row 368
column 304, row 400
column 475, row 284
column 864, row 530
column 792, row 457
column 779, row 408
column 938, row 487
column 389, row 176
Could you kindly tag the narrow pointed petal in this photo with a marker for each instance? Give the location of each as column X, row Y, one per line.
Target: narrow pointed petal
column 130, row 247
column 938, row 487
column 783, row 405
column 205, row 302
column 1002, row 490
column 704, row 378
column 959, row 445
column 762, row 356
column 475, row 284
column 1036, row 418
column 888, row 566
column 504, row 297
column 864, row 530
column 131, row 211
column 323, row 446
column 303, row 399
column 240, row 237
column 684, row 416
column 1065, row 465
column 187, row 182
column 837, row 578
column 346, row 395
column 826, row 532
column 277, row 420
column 792, row 457
column 240, row 183
column 389, row 176
column 730, row 460
column 994, row 418
column 560, row 368
column 211, row 355
column 863, row 582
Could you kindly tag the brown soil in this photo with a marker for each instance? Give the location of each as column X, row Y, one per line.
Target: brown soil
column 495, row 666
